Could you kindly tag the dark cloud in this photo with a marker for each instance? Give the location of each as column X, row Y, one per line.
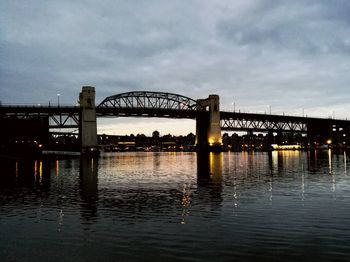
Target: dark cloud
column 312, row 29
column 286, row 54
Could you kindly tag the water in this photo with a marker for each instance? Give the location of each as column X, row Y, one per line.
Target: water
column 285, row 206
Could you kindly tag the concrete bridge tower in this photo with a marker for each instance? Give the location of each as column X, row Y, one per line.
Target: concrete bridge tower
column 88, row 125
column 208, row 128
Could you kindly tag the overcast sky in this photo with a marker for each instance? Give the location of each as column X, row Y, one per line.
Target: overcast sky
column 290, row 55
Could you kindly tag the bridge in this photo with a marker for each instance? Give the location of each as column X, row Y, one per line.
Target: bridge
column 210, row 121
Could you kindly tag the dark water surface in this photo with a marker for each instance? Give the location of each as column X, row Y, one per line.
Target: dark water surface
column 285, row 206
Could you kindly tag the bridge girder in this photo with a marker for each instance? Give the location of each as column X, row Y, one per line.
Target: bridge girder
column 59, row 117
column 247, row 124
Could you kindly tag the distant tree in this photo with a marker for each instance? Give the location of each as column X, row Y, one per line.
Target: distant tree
column 167, row 138
column 191, row 135
column 155, row 138
column 191, row 138
column 234, row 136
column 155, row 134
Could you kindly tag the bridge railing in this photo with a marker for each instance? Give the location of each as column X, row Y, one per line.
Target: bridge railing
column 37, row 105
column 287, row 115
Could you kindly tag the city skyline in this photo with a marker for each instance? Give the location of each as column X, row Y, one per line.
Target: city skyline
column 258, row 56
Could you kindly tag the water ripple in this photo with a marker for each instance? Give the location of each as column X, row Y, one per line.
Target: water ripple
column 176, row 206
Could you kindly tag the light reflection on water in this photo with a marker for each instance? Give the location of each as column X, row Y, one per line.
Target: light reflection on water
column 177, row 206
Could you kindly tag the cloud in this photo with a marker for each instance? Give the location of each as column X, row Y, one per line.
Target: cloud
column 286, row 54
column 313, row 29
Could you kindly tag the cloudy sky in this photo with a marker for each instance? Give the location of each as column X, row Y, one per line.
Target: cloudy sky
column 290, row 55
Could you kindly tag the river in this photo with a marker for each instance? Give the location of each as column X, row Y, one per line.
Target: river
column 148, row 206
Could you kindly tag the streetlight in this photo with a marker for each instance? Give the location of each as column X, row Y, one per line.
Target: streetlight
column 234, row 106
column 58, row 99
column 329, row 142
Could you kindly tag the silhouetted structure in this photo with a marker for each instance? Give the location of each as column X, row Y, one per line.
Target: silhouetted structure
column 23, row 135
column 312, row 132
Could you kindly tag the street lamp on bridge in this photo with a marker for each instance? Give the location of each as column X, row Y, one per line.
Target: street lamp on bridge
column 269, row 108
column 58, row 99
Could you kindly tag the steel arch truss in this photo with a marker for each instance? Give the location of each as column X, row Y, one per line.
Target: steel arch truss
column 149, row 100
column 262, row 125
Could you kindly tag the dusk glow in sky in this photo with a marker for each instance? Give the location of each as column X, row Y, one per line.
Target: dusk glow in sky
column 292, row 56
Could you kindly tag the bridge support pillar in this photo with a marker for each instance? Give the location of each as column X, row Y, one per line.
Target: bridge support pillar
column 88, row 124
column 208, row 128
column 270, row 139
column 319, row 132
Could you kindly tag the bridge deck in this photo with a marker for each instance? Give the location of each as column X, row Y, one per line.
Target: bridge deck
column 61, row 115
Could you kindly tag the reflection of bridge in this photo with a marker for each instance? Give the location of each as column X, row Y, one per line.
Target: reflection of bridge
column 210, row 121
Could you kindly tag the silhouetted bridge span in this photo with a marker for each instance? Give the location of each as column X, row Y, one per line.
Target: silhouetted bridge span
column 209, row 119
